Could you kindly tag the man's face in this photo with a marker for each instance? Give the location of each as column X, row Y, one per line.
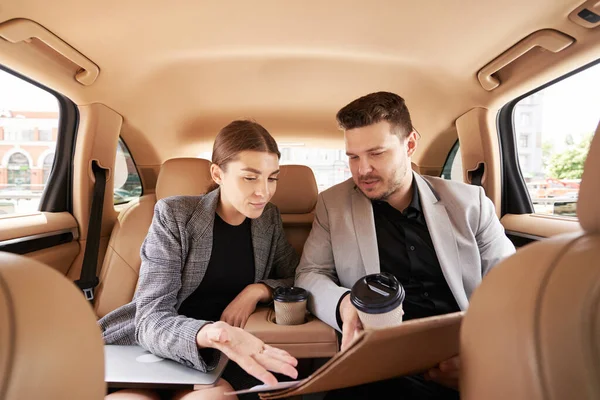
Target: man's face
column 379, row 159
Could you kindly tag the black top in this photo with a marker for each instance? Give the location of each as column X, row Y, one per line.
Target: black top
column 229, row 271
column 407, row 252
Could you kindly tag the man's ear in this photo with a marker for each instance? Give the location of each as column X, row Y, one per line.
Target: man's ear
column 411, row 143
column 216, row 173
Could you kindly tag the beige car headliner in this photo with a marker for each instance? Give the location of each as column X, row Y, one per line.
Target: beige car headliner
column 177, row 71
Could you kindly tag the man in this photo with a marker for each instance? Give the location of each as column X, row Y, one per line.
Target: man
column 438, row 237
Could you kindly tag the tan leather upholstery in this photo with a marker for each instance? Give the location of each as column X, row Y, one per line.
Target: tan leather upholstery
column 120, row 270
column 121, row 267
column 296, row 197
column 50, row 345
column 183, row 177
column 532, row 330
column 588, row 209
column 314, row 338
column 296, row 190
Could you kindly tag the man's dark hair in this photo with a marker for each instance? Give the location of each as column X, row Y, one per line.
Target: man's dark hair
column 374, row 108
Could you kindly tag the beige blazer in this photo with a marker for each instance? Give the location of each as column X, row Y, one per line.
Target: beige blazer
column 342, row 246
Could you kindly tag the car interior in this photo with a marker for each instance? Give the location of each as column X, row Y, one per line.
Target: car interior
column 108, row 107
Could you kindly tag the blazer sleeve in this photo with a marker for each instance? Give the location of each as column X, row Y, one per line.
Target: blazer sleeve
column 492, row 241
column 317, row 273
column 285, row 259
column 158, row 326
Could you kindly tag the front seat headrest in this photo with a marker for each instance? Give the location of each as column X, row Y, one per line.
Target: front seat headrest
column 588, row 210
column 183, row 177
column 532, row 330
column 50, row 344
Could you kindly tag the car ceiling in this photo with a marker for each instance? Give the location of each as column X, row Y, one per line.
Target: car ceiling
column 179, row 71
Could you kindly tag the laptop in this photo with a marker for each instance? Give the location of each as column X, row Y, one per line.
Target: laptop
column 136, row 367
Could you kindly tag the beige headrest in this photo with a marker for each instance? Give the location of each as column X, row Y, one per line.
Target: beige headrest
column 532, row 330
column 183, row 177
column 588, row 205
column 296, row 190
column 50, row 344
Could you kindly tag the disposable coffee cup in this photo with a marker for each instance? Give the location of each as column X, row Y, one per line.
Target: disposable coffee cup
column 290, row 305
column 378, row 299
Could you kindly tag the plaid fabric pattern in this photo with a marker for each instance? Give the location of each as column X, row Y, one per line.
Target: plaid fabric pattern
column 175, row 255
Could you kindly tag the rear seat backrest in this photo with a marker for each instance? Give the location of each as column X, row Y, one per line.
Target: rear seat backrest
column 120, row 270
column 296, row 197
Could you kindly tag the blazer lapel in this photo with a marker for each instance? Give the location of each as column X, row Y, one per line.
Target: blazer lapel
column 364, row 226
column 262, row 234
column 200, row 227
column 443, row 238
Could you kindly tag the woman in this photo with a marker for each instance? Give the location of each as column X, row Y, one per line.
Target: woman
column 213, row 258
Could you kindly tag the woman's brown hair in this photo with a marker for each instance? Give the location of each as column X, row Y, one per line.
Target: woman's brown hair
column 238, row 136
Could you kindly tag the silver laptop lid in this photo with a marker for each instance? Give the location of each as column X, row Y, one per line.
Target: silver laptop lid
column 133, row 366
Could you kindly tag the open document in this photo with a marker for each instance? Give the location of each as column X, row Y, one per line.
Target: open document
column 413, row 347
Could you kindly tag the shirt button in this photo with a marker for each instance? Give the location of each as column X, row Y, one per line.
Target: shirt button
column 426, row 294
column 412, row 248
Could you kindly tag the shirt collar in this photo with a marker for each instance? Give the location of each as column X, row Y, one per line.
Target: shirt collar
column 414, row 208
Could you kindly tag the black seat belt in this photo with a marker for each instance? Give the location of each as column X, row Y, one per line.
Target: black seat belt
column 477, row 175
column 88, row 280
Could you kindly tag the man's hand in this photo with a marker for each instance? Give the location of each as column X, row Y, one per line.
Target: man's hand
column 239, row 310
column 351, row 325
column 248, row 351
column 446, row 373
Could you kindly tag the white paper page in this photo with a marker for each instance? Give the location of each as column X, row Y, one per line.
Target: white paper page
column 268, row 388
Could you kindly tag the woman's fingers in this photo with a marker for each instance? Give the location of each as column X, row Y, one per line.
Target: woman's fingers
column 254, row 368
column 280, row 355
column 276, row 365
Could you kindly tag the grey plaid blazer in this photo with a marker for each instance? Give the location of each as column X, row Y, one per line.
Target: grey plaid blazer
column 175, row 256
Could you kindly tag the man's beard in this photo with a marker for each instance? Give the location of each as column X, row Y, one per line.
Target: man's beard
column 395, row 185
column 390, row 190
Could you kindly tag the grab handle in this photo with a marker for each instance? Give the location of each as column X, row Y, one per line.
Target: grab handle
column 548, row 39
column 23, row 30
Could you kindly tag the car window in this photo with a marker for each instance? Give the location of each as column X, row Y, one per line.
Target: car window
column 329, row 165
column 29, row 119
column 452, row 169
column 553, row 130
column 127, row 183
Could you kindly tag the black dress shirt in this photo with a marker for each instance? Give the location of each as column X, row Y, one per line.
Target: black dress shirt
column 407, row 252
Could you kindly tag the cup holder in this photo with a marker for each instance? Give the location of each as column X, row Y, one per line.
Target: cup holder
column 271, row 318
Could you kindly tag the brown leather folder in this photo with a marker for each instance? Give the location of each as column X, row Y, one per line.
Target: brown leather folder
column 410, row 348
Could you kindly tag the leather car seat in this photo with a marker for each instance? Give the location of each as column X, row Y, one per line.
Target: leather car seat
column 532, row 330
column 296, row 197
column 121, row 266
column 50, row 344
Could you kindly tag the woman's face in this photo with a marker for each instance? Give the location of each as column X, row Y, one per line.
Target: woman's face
column 247, row 183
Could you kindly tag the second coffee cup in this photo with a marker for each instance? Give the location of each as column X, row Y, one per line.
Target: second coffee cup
column 378, row 299
column 290, row 305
